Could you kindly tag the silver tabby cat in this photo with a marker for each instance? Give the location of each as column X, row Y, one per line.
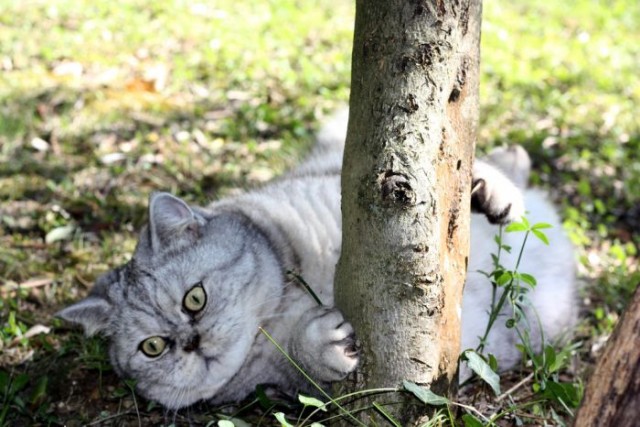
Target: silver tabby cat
column 182, row 315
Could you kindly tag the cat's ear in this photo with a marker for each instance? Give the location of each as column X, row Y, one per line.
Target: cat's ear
column 170, row 218
column 92, row 313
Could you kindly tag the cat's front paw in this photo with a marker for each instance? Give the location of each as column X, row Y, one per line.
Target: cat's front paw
column 494, row 195
column 326, row 344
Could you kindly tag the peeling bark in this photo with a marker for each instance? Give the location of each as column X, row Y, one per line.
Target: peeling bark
column 612, row 397
column 405, row 191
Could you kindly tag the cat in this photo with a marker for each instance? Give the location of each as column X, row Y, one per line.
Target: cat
column 183, row 315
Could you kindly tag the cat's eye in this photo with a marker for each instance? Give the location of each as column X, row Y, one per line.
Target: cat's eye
column 153, row 346
column 195, row 299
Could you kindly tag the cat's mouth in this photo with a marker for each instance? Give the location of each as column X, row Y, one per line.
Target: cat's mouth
column 210, row 361
column 199, row 375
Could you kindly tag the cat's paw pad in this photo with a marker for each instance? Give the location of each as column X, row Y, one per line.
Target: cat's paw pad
column 331, row 339
column 494, row 195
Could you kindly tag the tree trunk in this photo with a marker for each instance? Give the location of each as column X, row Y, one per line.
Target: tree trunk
column 612, row 397
column 405, row 191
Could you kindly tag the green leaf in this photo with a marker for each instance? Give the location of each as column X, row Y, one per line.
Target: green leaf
column 493, row 363
column 264, row 400
column 312, row 401
column 549, row 356
column 39, row 393
column 13, row 327
column 283, row 421
column 477, row 364
column 515, row 227
column 233, row 422
column 131, row 384
column 4, row 382
column 504, row 278
column 495, row 259
column 19, row 383
column 559, row 360
column 528, row 279
column 424, row 395
column 584, row 188
column 386, row 414
column 540, row 235
column 541, row 226
column 471, row 421
column 120, row 392
column 566, row 393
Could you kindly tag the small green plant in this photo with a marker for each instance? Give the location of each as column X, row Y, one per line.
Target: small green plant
column 509, row 296
column 13, row 329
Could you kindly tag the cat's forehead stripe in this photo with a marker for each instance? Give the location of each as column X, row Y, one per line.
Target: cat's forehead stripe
column 134, row 273
column 152, row 311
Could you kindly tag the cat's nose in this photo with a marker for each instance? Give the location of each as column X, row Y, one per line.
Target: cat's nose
column 192, row 344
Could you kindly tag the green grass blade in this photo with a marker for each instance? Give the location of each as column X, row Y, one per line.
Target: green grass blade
column 386, row 414
column 315, row 384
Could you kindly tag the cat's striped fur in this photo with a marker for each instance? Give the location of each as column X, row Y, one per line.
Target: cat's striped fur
column 236, row 253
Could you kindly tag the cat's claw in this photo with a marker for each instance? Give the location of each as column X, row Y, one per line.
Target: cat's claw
column 327, row 346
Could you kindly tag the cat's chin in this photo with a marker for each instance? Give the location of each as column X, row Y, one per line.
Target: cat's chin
column 175, row 398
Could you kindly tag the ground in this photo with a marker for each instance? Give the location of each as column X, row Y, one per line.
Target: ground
column 102, row 103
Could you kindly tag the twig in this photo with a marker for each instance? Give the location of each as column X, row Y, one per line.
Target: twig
column 86, row 283
column 515, row 387
column 301, row 281
column 32, row 332
column 531, row 416
column 29, row 284
column 470, row 409
column 110, row 417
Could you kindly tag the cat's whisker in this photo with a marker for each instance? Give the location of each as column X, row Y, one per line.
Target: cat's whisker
column 179, row 400
column 274, row 316
column 278, row 298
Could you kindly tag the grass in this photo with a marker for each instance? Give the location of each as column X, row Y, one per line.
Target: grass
column 103, row 102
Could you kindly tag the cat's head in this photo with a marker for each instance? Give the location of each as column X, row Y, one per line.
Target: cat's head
column 182, row 315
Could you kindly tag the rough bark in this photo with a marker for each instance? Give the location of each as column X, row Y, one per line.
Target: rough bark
column 612, row 397
column 405, row 191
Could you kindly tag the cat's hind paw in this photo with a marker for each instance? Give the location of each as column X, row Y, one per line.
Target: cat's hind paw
column 327, row 346
column 495, row 196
